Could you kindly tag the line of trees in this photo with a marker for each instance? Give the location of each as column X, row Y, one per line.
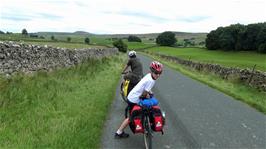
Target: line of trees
column 238, row 37
column 133, row 38
column 166, row 38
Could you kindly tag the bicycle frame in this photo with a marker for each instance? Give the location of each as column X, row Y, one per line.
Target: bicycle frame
column 147, row 135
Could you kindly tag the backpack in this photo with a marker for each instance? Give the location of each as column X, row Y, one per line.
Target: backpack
column 157, row 119
column 135, row 120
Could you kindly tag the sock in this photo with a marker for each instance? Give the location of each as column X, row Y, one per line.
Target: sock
column 119, row 132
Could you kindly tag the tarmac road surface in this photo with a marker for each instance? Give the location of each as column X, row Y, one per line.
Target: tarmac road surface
column 197, row 116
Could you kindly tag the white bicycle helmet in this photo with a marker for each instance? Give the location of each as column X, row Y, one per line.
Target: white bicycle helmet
column 132, row 53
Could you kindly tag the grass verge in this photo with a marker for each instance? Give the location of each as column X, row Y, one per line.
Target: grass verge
column 231, row 87
column 61, row 109
column 241, row 59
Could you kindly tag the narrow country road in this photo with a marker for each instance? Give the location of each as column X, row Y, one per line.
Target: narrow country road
column 197, row 116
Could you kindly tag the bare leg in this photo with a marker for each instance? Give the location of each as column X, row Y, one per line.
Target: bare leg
column 124, row 125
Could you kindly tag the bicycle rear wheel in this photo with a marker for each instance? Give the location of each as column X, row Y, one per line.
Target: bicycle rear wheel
column 147, row 133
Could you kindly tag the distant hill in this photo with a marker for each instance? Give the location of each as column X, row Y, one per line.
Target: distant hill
column 179, row 35
column 197, row 37
column 82, row 33
column 154, row 35
column 64, row 33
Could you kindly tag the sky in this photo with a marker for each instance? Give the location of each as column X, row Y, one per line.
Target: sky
column 127, row 16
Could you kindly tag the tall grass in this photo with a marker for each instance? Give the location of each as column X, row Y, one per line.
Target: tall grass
column 61, row 109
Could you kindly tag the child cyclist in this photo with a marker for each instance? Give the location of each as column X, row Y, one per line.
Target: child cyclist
column 142, row 89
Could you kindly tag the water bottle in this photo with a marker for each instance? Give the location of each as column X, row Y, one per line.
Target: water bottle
column 163, row 114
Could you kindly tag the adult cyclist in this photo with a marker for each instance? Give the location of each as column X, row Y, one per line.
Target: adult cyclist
column 136, row 70
column 142, row 89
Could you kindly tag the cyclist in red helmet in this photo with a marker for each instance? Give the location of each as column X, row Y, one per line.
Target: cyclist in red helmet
column 141, row 90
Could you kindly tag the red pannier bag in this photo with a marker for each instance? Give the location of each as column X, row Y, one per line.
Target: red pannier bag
column 135, row 122
column 157, row 119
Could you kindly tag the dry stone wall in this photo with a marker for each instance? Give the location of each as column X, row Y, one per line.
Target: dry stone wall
column 19, row 57
column 250, row 77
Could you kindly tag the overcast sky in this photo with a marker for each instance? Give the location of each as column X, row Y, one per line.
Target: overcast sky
column 128, row 16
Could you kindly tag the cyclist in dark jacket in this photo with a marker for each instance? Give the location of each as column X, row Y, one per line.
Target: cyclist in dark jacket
column 136, row 70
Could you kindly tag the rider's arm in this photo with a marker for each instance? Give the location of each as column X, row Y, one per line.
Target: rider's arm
column 125, row 69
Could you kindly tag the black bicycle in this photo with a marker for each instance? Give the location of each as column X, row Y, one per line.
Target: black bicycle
column 146, row 123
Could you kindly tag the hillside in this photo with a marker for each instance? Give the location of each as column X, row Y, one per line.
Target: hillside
column 182, row 35
column 149, row 37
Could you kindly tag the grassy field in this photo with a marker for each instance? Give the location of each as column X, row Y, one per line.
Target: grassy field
column 75, row 39
column 138, row 45
column 230, row 59
column 233, row 88
column 61, row 109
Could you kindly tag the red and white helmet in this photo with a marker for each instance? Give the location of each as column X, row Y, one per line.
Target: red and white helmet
column 156, row 67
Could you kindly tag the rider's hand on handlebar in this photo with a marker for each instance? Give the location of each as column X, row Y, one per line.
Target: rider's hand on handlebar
column 151, row 95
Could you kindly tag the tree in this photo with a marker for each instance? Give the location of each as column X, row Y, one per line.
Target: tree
column 52, row 37
column 87, row 40
column 122, row 47
column 33, row 35
column 166, row 39
column 261, row 40
column 262, row 48
column 68, row 39
column 189, row 42
column 24, row 32
column 212, row 40
column 132, row 38
column 251, row 33
column 1, row 32
column 226, row 39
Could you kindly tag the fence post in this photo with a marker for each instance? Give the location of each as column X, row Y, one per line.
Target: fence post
column 252, row 73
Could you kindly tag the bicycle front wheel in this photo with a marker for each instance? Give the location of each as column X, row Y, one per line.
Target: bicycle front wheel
column 147, row 133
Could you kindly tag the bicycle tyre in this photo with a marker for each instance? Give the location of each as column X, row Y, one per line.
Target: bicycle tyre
column 147, row 133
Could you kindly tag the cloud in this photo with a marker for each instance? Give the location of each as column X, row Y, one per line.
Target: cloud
column 143, row 15
column 28, row 17
column 48, row 16
column 193, row 19
column 127, row 16
column 16, row 18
